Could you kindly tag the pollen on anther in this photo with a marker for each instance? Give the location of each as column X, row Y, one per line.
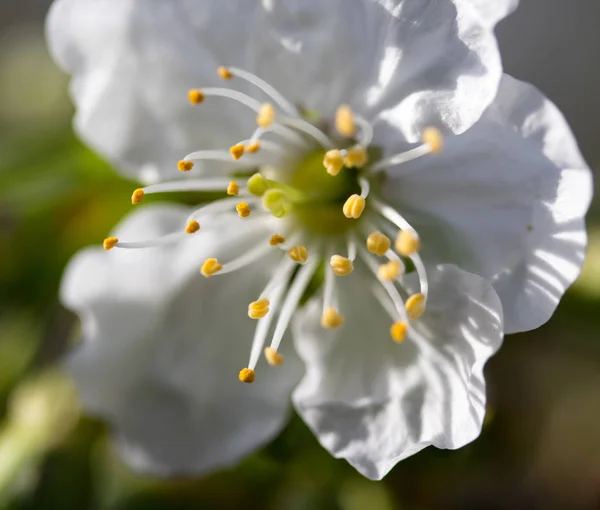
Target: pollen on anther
column 195, row 96
column 110, row 243
column 333, row 162
column 331, row 319
column 356, row 157
column 354, row 207
column 252, row 147
column 433, row 137
column 246, row 375
column 265, row 116
column 398, row 331
column 243, row 209
column 258, row 309
column 298, row 254
column 344, row 121
column 276, row 239
column 192, row 227
column 233, row 188
column 407, row 243
column 185, row 166
column 341, row 266
column 273, row 357
column 210, row 267
column 224, row 73
column 237, row 151
column 415, row 306
column 378, row 243
column 138, row 196
column 390, row 271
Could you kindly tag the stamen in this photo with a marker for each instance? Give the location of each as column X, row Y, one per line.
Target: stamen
column 203, row 184
column 273, row 357
column 366, row 131
column 341, row 265
column 354, row 207
column 258, row 309
column 308, row 129
column 243, row 209
column 365, row 187
column 276, row 239
column 344, row 121
column 246, row 375
column 292, row 300
column 224, row 73
column 434, row 139
column 432, row 142
column 195, row 96
column 192, row 227
column 258, row 185
column 390, row 271
column 333, row 162
column 233, row 188
column 110, row 243
column 210, row 267
column 398, row 331
column 184, row 165
column 407, row 243
column 253, row 147
column 237, row 151
column 152, row 243
column 331, row 319
column 217, row 207
column 355, row 157
column 298, row 254
column 281, row 101
column 246, row 259
column 351, row 248
column 217, row 156
column 378, row 243
column 137, row 196
column 390, row 214
column 266, row 115
column 415, row 306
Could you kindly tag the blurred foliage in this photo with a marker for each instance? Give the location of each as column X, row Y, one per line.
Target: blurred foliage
column 539, row 448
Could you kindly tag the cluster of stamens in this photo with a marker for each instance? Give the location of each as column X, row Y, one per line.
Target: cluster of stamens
column 303, row 252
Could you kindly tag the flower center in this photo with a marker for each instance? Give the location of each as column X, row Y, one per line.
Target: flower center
column 323, row 192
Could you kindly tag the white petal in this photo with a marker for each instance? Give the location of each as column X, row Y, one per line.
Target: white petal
column 132, row 64
column 375, row 403
column 162, row 346
column 493, row 12
column 506, row 200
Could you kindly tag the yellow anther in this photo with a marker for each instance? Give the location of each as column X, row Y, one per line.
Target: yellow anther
column 333, row 162
column 185, row 166
column 253, row 147
column 298, row 254
column 276, row 239
column 258, row 309
column 433, row 138
column 233, row 188
column 266, row 115
column 138, row 196
column 258, row 185
column 407, row 243
column 243, row 209
column 192, row 227
column 246, row 375
column 195, row 96
column 398, row 331
column 331, row 319
column 378, row 244
column 273, row 357
column 341, row 266
column 354, row 207
column 390, row 271
column 224, row 73
column 210, row 267
column 356, row 157
column 415, row 306
column 236, row 151
column 344, row 121
column 109, row 243
column 276, row 202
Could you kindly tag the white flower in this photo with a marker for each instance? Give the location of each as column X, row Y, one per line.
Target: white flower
column 347, row 196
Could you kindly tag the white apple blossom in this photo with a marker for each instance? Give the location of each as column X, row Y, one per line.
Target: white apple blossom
column 321, row 106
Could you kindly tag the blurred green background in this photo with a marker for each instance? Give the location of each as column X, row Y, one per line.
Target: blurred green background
column 541, row 444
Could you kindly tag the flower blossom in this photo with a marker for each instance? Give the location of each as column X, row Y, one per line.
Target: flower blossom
column 392, row 257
